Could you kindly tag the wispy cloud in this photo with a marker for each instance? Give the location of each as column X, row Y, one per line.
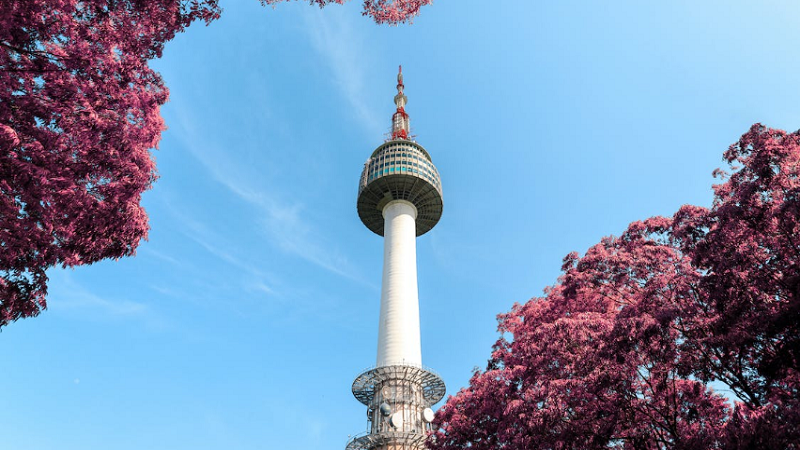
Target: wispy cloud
column 72, row 295
column 69, row 296
column 147, row 250
column 215, row 244
column 282, row 218
column 163, row 290
column 334, row 36
column 260, row 286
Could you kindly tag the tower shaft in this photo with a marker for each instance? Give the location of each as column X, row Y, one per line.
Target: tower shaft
column 398, row 329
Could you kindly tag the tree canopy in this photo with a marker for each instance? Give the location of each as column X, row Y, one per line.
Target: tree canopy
column 79, row 113
column 382, row 11
column 629, row 349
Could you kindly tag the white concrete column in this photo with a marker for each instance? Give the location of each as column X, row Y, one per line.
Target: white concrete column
column 398, row 331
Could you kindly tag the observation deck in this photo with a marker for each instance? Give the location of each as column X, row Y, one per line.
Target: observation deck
column 428, row 382
column 400, row 169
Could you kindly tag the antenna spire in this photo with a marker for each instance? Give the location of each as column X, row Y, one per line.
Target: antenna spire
column 401, row 127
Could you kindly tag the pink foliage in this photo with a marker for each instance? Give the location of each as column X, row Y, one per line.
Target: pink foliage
column 79, row 111
column 621, row 351
column 382, row 11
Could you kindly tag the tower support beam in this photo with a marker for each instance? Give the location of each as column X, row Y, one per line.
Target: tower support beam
column 398, row 329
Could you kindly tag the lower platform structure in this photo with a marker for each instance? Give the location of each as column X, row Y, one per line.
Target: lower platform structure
column 398, row 399
column 388, row 441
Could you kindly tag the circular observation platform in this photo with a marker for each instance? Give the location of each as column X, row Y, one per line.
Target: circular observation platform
column 432, row 385
column 400, row 170
column 410, row 441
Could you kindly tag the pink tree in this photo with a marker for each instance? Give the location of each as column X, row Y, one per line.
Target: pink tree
column 382, row 11
column 79, row 113
column 748, row 249
column 619, row 353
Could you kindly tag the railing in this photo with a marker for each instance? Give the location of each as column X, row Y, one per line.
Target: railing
column 433, row 387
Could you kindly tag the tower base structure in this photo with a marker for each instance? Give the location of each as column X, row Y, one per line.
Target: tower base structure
column 398, row 400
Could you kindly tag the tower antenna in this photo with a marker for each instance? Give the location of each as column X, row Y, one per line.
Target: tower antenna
column 401, row 126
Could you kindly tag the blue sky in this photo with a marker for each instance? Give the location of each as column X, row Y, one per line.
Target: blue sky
column 243, row 320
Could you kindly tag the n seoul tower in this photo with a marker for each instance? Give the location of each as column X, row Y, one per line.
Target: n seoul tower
column 399, row 198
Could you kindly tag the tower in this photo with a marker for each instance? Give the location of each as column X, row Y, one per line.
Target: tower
column 399, row 198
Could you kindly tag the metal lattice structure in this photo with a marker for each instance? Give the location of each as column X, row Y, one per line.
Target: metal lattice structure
column 370, row 381
column 396, row 397
column 394, row 441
